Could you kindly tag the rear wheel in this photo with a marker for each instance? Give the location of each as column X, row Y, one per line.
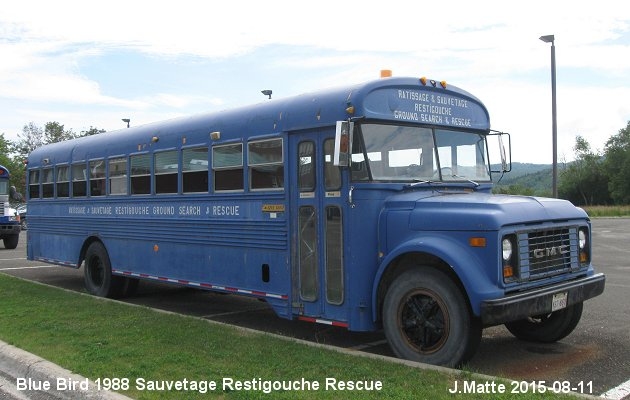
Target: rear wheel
column 97, row 275
column 547, row 328
column 427, row 319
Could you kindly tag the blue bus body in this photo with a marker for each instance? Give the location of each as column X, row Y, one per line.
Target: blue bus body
column 9, row 218
column 252, row 201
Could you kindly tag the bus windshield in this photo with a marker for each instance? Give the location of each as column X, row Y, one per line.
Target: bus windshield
column 396, row 153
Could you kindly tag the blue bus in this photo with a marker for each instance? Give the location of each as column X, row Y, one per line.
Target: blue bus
column 9, row 218
column 366, row 207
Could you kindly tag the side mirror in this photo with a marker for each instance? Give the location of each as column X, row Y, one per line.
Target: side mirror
column 505, row 150
column 15, row 195
column 343, row 142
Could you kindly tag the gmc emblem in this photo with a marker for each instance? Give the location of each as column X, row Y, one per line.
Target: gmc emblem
column 551, row 251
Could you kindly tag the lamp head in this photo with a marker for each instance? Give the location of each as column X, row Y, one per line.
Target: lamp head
column 547, row 39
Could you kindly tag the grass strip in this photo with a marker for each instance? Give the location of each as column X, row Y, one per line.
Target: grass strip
column 607, row 211
column 101, row 339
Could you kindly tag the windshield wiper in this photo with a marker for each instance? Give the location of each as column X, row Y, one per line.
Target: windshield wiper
column 430, row 182
column 423, row 182
column 466, row 179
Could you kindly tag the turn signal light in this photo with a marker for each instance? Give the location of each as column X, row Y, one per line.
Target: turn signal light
column 583, row 257
column 477, row 242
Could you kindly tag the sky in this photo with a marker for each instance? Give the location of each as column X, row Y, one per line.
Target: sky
column 90, row 64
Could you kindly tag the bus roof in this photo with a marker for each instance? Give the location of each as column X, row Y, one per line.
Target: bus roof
column 403, row 100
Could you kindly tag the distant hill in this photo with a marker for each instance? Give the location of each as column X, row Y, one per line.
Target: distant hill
column 536, row 177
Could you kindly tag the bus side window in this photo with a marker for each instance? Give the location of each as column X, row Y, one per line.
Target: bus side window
column 265, row 164
column 118, row 176
column 195, row 170
column 48, row 184
column 166, row 172
column 63, row 181
column 306, row 166
column 140, row 174
column 97, row 178
column 33, row 184
column 227, row 167
column 332, row 173
column 79, row 180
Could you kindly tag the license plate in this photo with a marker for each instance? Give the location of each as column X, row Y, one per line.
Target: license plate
column 559, row 301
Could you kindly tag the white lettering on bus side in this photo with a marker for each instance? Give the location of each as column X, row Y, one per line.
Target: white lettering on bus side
column 190, row 210
column 131, row 210
column 163, row 210
column 101, row 210
column 76, row 210
column 181, row 210
column 225, row 210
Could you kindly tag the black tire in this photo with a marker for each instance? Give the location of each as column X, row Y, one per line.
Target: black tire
column 11, row 242
column 427, row 319
column 97, row 273
column 547, row 328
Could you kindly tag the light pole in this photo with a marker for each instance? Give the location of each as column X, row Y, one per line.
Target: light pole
column 127, row 120
column 554, row 124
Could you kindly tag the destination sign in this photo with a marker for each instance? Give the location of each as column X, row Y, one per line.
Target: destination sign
column 427, row 106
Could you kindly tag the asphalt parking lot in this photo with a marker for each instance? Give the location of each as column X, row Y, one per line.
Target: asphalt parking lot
column 596, row 354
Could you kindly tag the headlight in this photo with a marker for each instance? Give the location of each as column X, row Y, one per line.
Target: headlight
column 507, row 249
column 585, row 256
column 582, row 239
column 509, row 258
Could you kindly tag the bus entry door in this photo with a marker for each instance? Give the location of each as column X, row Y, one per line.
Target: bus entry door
column 318, row 273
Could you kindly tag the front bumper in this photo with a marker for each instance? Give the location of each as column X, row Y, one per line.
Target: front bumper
column 537, row 302
column 7, row 229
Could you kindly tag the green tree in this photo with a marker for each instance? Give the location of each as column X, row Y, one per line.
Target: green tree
column 584, row 182
column 54, row 132
column 617, row 165
column 92, row 131
column 516, row 189
column 32, row 137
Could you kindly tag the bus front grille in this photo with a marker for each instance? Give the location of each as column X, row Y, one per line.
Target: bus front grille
column 547, row 252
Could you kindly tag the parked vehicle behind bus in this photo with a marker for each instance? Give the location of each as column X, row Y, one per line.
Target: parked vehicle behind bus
column 365, row 207
column 9, row 218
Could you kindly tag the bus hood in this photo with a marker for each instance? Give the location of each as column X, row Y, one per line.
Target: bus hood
column 481, row 211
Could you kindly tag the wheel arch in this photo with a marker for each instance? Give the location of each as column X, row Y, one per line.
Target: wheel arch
column 454, row 260
column 409, row 261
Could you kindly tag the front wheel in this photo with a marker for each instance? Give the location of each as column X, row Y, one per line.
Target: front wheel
column 11, row 241
column 547, row 328
column 427, row 319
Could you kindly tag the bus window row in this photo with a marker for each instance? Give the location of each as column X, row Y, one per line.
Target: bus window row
column 165, row 172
